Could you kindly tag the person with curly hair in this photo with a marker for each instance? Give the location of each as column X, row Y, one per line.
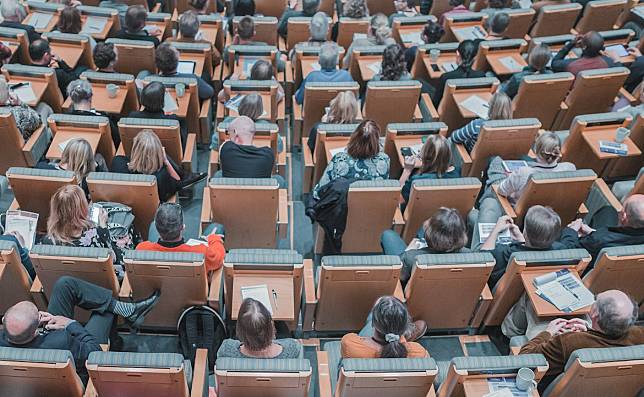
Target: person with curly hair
column 393, row 66
column 105, row 57
column 355, row 9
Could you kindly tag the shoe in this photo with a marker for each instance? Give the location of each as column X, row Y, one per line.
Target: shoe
column 141, row 309
column 416, row 330
column 191, row 179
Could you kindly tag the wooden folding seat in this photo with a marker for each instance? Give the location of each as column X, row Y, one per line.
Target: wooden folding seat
column 565, row 192
column 461, row 369
column 213, row 30
column 254, row 210
column 399, row 135
column 95, row 17
column 520, row 22
column 541, row 95
column 15, row 282
column 163, row 21
column 249, row 377
column 348, row 27
column 379, row 6
column 618, row 268
column 439, row 7
column 305, row 57
column 267, row 89
column 600, row 15
column 455, row 22
column 317, row 96
column 137, row 191
column 125, row 82
column 424, row 68
column 298, row 31
column 242, row 57
column 450, row 291
column 18, row 152
column 355, row 377
column 134, row 55
column 74, row 49
column 95, row 129
column 458, row 90
column 629, row 166
column 43, row 16
column 340, row 296
column 382, row 94
column 402, row 26
column 556, row 19
column 493, row 53
column 592, row 372
column 33, row 188
column 509, row 288
column 200, row 54
column 372, row 208
column 362, row 58
column 38, row 372
column 168, row 132
column 180, row 276
column 18, row 42
column 272, row 8
column 265, row 28
column 554, row 43
column 42, row 80
column 428, row 195
column 509, row 139
column 157, row 374
column 594, row 91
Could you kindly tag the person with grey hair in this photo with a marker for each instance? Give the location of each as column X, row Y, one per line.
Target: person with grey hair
column 309, row 8
column 329, row 72
column 612, row 324
column 80, row 92
column 189, row 32
column 13, row 14
column 168, row 229
column 27, row 120
column 319, row 28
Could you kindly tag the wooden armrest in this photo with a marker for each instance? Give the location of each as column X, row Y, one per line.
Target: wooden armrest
column 29, row 146
column 605, row 191
column 399, row 221
column 484, row 303
column 309, row 166
column 190, row 153
column 505, row 203
column 282, row 213
column 204, row 121
column 310, row 299
column 220, row 114
column 281, row 43
column 307, row 155
column 36, row 286
column 430, row 106
column 399, row 292
column 90, row 391
column 628, row 96
column 206, row 215
column 200, row 374
column 563, row 106
column 38, row 295
column 156, row 8
column 213, row 163
column 280, row 163
column 126, row 290
column 104, row 347
column 215, row 289
column 297, row 110
column 583, row 210
column 288, row 73
column 461, row 152
column 514, row 350
column 324, row 376
column 14, row 205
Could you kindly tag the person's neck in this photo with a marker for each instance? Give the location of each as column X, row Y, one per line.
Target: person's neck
column 268, row 352
column 176, row 240
column 170, row 73
column 83, row 106
column 109, row 69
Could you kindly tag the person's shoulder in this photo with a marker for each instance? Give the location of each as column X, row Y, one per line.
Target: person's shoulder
column 146, row 246
column 353, row 346
column 229, row 348
column 291, row 348
column 382, row 156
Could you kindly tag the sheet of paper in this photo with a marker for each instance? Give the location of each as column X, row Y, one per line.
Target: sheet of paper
column 316, row 66
column 499, row 393
column 24, row 223
column 375, row 67
column 448, row 66
column 40, row 20
column 170, row 104
column 525, row 3
column 416, row 148
column 470, row 33
column 259, row 293
column 358, row 36
column 412, row 37
column 556, row 294
column 507, row 384
column 583, row 295
column 25, row 93
column 94, row 24
column 186, row 67
column 617, row 49
column 336, row 150
column 514, row 165
column 511, row 64
column 476, row 105
column 486, row 228
column 62, row 145
column 194, row 243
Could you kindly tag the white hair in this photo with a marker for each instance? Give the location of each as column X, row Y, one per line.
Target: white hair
column 12, row 10
column 328, row 56
column 319, row 26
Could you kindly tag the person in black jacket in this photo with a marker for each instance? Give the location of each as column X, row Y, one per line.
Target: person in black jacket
column 80, row 92
column 26, row 327
column 41, row 55
column 636, row 68
column 465, row 54
column 134, row 29
column 309, row 8
column 13, row 14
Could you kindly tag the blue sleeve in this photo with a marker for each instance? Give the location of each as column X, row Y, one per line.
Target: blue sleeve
column 205, row 90
column 299, row 94
column 464, row 133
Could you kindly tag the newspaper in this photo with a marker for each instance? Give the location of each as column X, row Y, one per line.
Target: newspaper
column 259, row 293
column 486, row 228
column 505, row 386
column 23, row 223
column 476, row 105
column 448, row 66
column 563, row 290
column 170, row 104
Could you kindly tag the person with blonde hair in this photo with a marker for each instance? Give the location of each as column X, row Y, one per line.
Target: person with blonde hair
column 379, row 34
column 27, row 120
column 537, row 64
column 343, row 109
column 500, row 108
column 13, row 13
column 148, row 157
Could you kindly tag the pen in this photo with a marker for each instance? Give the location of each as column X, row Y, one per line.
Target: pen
column 275, row 298
column 18, row 85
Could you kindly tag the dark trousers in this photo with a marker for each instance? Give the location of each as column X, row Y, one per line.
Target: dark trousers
column 70, row 292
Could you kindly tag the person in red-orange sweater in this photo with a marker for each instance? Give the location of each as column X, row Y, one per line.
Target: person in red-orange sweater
column 169, row 225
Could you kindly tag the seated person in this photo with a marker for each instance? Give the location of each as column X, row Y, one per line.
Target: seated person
column 69, row 224
column 379, row 33
column 70, row 21
column 388, row 333
column 256, row 332
column 613, row 317
column 537, row 64
column 189, row 32
column 431, row 34
column 496, row 26
column 135, row 26
column 119, row 5
column 393, row 67
column 41, row 55
column 465, row 55
column 500, row 108
column 356, row 9
column 435, row 157
column 166, row 57
column 13, row 13
column 343, row 109
column 443, row 233
column 105, row 57
column 152, row 100
column 239, row 158
column 361, row 160
column 240, row 8
column 495, row 6
column 79, row 158
column 23, row 326
column 80, row 93
column 318, row 30
column 328, row 73
column 541, row 232
column 262, row 70
column 629, row 229
column 591, row 44
column 309, row 8
column 22, row 250
column 245, row 35
column 403, row 8
column 27, row 120
column 168, row 223
column 458, row 7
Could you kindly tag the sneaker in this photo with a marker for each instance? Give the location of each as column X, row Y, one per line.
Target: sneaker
column 416, row 330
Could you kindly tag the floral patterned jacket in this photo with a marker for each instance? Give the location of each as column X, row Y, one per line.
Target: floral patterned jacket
column 344, row 166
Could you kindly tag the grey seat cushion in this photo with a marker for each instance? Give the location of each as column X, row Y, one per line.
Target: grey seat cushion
column 49, row 356
column 270, row 256
column 135, row 360
column 262, row 365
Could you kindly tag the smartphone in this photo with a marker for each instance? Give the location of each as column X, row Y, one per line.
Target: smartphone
column 406, row 151
column 94, row 212
column 435, row 68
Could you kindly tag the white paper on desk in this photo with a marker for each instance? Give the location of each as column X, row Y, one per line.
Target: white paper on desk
column 511, row 64
column 25, row 93
column 448, row 66
column 470, row 33
column 506, row 385
column 259, row 293
column 486, row 228
column 499, row 393
column 415, row 149
column 316, row 66
column 476, row 105
column 375, row 67
column 525, row 3
column 358, row 36
column 617, row 49
column 39, row 20
column 24, row 223
column 412, row 37
column 563, row 290
column 64, row 144
column 170, row 104
column 194, row 242
column 94, row 24
column 336, row 151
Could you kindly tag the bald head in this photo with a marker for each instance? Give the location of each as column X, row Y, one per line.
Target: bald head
column 633, row 213
column 614, row 313
column 242, row 130
column 20, row 322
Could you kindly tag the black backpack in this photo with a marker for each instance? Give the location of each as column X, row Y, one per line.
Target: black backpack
column 201, row 327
